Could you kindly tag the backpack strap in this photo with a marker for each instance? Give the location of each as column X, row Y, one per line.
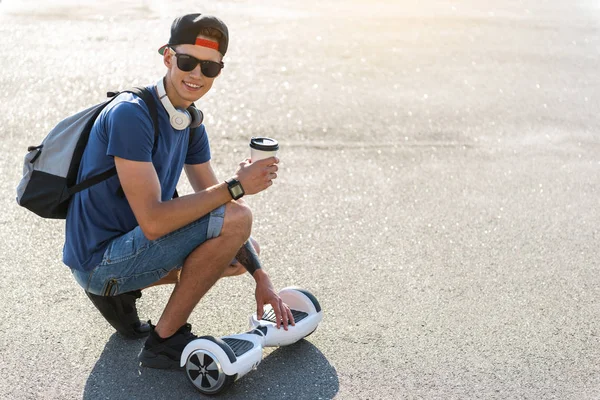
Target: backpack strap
column 148, row 98
column 146, row 95
column 191, row 138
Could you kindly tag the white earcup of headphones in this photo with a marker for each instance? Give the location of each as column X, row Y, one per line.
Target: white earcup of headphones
column 180, row 119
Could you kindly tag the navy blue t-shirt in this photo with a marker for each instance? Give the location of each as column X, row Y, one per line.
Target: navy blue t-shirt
column 123, row 129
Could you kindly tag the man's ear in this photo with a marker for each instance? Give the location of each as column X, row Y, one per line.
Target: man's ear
column 168, row 58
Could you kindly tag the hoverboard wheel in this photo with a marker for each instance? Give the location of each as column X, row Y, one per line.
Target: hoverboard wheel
column 205, row 373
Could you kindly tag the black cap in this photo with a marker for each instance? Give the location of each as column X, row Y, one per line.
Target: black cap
column 185, row 29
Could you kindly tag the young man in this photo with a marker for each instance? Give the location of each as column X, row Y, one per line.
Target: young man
column 118, row 245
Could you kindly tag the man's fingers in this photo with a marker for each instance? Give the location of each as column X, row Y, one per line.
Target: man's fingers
column 268, row 161
column 260, row 312
column 284, row 315
column 277, row 311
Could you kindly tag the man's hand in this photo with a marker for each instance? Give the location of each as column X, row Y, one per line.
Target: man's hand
column 257, row 176
column 265, row 294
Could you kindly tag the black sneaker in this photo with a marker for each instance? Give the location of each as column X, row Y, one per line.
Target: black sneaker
column 165, row 353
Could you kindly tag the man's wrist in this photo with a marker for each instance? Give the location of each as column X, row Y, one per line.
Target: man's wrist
column 260, row 275
column 235, row 188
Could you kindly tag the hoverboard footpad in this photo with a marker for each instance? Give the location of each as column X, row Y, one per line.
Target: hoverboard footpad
column 238, row 346
column 270, row 316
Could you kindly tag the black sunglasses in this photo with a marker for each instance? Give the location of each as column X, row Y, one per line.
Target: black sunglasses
column 187, row 63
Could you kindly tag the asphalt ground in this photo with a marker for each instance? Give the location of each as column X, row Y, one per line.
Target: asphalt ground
column 438, row 193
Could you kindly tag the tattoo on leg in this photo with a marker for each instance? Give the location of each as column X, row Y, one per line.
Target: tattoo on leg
column 248, row 258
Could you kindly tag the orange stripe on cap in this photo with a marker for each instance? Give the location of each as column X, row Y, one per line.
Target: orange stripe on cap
column 207, row 43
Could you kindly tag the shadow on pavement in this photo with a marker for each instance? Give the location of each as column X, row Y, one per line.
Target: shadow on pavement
column 298, row 371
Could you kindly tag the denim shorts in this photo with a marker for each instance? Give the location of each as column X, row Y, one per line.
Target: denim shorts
column 132, row 262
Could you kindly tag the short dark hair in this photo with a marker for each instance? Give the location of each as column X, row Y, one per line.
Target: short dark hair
column 211, row 33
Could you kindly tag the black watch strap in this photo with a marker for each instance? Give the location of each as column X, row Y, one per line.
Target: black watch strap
column 235, row 188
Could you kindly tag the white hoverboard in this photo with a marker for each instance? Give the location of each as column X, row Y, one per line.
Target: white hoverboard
column 213, row 364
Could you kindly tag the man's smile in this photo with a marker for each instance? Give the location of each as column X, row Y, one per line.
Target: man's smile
column 192, row 86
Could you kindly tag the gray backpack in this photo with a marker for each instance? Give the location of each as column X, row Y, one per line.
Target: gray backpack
column 50, row 169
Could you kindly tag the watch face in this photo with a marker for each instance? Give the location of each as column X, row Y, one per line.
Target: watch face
column 236, row 191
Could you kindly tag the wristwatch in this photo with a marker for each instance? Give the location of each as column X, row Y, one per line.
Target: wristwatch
column 235, row 188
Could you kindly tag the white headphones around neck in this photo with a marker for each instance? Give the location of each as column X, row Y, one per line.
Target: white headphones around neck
column 179, row 118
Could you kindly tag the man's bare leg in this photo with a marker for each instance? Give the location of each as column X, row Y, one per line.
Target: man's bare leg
column 203, row 267
column 234, row 269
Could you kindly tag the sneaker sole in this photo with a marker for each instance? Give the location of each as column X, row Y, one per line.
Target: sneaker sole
column 149, row 359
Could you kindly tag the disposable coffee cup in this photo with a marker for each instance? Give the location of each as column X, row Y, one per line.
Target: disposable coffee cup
column 262, row 147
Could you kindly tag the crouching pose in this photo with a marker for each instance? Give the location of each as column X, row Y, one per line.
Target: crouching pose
column 128, row 232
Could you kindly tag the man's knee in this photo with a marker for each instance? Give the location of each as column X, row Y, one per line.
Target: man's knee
column 238, row 220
